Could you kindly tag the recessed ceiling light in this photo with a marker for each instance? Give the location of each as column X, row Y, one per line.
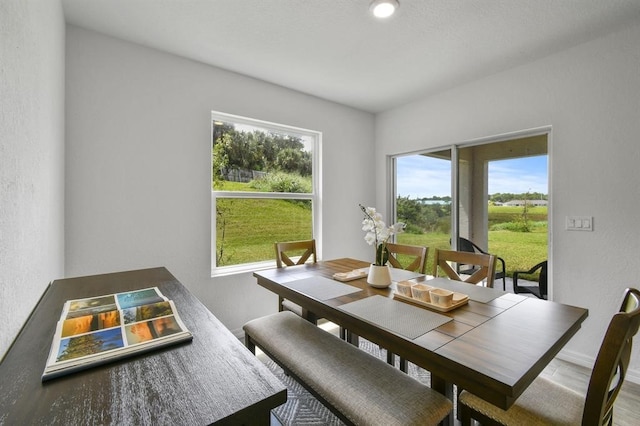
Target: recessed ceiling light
column 383, row 8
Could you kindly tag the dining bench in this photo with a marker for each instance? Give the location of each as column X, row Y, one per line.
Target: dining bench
column 356, row 386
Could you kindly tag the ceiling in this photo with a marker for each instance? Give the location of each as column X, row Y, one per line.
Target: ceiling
column 336, row 50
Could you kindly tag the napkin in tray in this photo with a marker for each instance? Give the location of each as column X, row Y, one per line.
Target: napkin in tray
column 351, row 275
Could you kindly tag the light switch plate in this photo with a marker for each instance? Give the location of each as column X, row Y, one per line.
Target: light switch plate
column 579, row 223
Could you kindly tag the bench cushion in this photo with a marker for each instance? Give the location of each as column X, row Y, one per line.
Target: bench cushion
column 362, row 387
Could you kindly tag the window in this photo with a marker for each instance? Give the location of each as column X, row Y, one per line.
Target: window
column 265, row 188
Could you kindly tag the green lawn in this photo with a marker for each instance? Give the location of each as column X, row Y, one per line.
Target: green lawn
column 252, row 226
column 520, row 250
column 501, row 214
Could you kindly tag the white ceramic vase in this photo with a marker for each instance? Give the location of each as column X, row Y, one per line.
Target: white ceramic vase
column 379, row 276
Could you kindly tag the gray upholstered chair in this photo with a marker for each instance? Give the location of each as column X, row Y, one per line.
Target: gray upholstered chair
column 548, row 403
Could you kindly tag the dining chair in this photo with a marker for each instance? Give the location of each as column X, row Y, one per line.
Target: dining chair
column 304, row 249
column 540, row 289
column 485, row 265
column 414, row 258
column 548, row 403
column 290, row 253
column 469, row 246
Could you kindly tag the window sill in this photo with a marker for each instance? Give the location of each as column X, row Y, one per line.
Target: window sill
column 241, row 269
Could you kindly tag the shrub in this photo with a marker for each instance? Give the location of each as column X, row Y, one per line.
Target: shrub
column 444, row 225
column 282, row 182
column 413, row 229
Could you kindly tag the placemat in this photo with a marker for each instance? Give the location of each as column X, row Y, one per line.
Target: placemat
column 401, row 318
column 475, row 292
column 398, row 274
column 321, row 288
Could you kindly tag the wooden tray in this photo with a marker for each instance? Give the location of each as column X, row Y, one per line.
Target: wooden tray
column 351, row 275
column 459, row 299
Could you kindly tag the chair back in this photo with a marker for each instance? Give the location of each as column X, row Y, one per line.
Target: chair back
column 542, row 279
column 540, row 289
column 612, row 362
column 466, row 245
column 304, row 249
column 485, row 263
column 414, row 257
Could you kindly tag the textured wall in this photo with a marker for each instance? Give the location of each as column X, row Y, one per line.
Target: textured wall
column 138, row 165
column 590, row 95
column 31, row 157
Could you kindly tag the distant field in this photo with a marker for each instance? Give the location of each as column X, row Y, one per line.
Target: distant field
column 500, row 214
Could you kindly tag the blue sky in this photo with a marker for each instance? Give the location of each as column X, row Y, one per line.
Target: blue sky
column 420, row 176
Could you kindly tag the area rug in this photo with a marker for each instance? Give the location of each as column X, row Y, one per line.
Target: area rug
column 302, row 408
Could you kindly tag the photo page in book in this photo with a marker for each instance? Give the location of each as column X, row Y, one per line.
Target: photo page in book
column 101, row 329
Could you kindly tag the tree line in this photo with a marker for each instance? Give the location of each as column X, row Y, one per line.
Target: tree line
column 506, row 196
column 422, row 217
column 433, row 214
column 257, row 150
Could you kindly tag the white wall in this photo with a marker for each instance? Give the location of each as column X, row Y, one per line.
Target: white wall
column 31, row 157
column 138, row 166
column 590, row 95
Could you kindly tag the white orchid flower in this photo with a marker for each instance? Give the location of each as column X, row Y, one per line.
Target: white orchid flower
column 370, row 238
column 377, row 233
column 397, row 228
column 367, row 226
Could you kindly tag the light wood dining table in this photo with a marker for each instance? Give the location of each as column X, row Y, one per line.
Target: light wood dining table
column 494, row 346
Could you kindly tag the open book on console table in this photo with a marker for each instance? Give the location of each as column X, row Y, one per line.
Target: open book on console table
column 102, row 329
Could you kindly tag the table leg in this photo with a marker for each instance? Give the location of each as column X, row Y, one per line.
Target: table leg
column 309, row 316
column 354, row 339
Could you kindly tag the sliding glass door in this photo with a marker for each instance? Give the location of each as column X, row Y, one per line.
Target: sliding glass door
column 493, row 193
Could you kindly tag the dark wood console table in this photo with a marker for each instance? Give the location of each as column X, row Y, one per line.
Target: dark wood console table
column 213, row 379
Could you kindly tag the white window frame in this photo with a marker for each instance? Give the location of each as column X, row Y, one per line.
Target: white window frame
column 315, row 196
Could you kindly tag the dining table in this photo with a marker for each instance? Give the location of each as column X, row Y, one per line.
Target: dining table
column 212, row 379
column 493, row 345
